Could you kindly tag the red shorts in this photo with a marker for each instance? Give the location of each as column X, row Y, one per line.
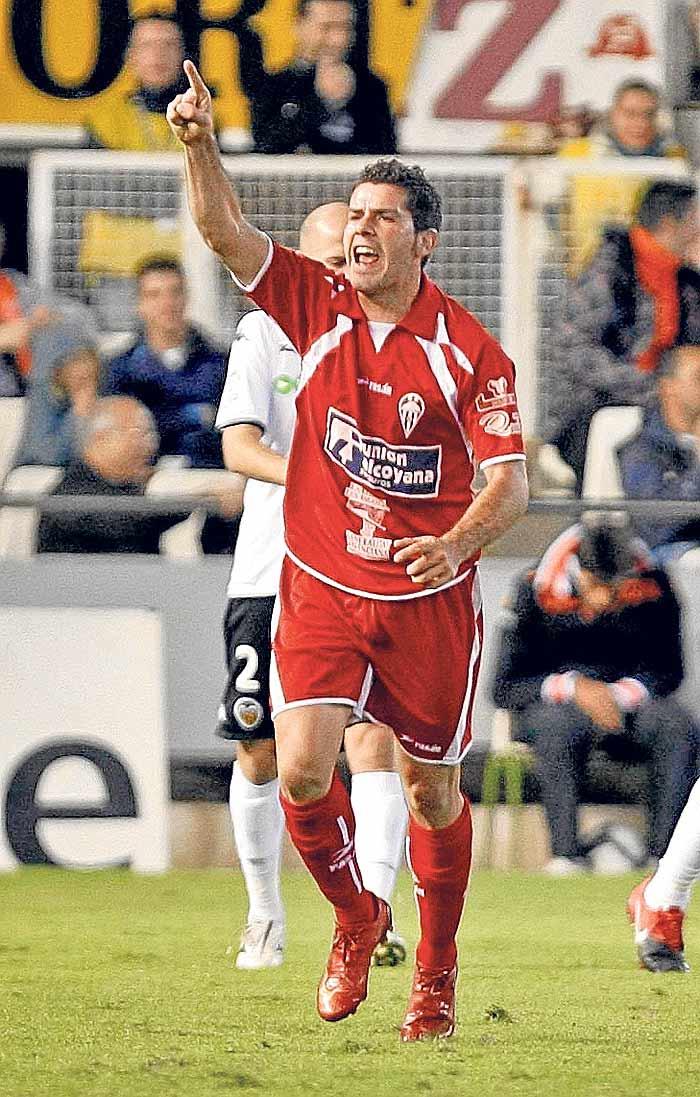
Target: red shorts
column 412, row 664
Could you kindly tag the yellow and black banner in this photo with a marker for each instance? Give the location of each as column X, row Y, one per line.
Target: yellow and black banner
column 61, row 60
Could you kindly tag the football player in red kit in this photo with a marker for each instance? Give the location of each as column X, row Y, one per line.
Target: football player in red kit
column 402, row 396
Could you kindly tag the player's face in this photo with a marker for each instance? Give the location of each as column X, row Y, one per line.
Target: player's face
column 382, row 247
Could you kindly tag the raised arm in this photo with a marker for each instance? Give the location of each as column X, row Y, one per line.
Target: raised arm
column 212, row 200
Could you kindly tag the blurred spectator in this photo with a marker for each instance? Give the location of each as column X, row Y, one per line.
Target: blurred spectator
column 319, row 103
column 572, row 123
column 663, row 460
column 48, row 354
column 134, row 119
column 172, row 369
column 590, row 659
column 117, row 459
column 634, row 300
column 632, row 127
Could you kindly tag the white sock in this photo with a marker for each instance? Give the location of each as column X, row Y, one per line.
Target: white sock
column 679, row 867
column 381, row 818
column 258, row 826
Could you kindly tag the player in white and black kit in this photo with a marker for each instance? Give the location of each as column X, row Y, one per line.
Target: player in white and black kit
column 256, row 416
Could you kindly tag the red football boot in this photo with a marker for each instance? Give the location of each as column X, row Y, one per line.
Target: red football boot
column 658, row 934
column 431, row 1006
column 344, row 984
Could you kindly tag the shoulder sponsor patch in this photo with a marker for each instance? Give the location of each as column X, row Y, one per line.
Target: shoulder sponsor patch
column 397, row 470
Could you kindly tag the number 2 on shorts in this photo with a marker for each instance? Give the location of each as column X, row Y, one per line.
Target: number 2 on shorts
column 246, row 682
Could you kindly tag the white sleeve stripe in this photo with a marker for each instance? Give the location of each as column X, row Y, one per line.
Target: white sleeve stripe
column 263, row 270
column 501, row 459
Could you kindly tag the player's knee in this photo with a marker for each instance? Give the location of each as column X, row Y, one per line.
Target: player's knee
column 257, row 760
column 425, row 804
column 301, row 787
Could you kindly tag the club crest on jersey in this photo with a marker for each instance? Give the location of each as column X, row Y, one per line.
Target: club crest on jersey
column 411, row 409
column 248, row 713
column 398, row 470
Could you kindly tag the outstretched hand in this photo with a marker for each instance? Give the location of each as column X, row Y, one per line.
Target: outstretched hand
column 190, row 115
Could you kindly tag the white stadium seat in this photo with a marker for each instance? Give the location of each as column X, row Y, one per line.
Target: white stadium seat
column 18, row 525
column 12, row 412
column 182, row 541
column 610, row 428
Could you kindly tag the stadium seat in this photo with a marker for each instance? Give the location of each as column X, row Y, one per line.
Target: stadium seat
column 182, row 541
column 18, row 525
column 610, row 428
column 12, row 412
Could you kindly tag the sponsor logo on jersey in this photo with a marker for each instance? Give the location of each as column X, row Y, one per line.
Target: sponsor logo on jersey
column 499, row 396
column 248, row 713
column 283, row 384
column 501, row 423
column 374, row 386
column 411, row 409
column 372, row 510
column 398, row 470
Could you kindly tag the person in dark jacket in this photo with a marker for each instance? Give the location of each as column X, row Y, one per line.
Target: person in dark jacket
column 172, row 369
column 591, row 657
column 320, row 103
column 119, row 449
column 117, row 460
column 662, row 461
column 636, row 299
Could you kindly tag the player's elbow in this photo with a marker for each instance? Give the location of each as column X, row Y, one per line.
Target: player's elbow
column 514, row 488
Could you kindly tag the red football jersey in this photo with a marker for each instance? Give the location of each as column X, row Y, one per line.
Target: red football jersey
column 392, row 421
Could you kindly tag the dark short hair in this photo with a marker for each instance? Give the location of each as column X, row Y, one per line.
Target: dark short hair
column 608, row 548
column 665, row 198
column 159, row 264
column 423, row 201
column 635, row 84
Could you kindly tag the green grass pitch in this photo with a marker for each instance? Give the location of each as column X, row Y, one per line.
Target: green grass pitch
column 114, row 985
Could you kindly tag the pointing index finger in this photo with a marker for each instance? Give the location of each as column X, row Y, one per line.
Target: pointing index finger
column 195, row 80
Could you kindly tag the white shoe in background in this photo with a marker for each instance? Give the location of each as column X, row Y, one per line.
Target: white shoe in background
column 262, row 945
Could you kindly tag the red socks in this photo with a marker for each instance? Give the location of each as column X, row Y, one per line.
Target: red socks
column 440, row 861
column 324, row 834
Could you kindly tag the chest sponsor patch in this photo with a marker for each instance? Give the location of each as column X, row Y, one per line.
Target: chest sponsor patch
column 399, row 470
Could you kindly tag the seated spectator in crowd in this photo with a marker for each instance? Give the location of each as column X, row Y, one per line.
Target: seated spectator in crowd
column 634, row 300
column 632, row 127
column 590, row 658
column 120, row 443
column 172, row 369
column 61, row 393
column 133, row 118
column 663, row 460
column 319, row 103
column 47, row 354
